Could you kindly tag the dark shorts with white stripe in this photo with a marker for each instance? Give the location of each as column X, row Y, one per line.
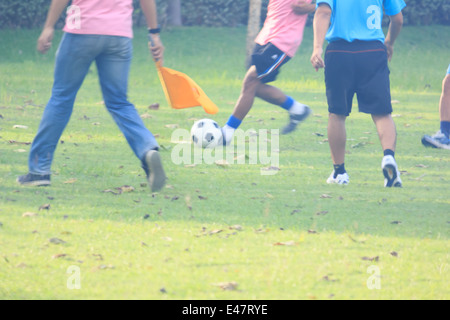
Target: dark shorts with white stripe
column 361, row 68
column 268, row 60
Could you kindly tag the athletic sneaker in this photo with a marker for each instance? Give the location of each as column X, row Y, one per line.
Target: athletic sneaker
column 391, row 172
column 295, row 119
column 340, row 178
column 439, row 140
column 152, row 166
column 34, row 180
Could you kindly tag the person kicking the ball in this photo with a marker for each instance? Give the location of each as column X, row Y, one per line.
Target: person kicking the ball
column 276, row 44
column 100, row 31
column 441, row 139
column 356, row 62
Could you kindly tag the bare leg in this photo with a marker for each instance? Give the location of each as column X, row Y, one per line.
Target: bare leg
column 386, row 131
column 271, row 94
column 444, row 104
column 337, row 137
column 248, row 93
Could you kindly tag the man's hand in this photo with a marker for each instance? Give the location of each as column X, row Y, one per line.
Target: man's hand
column 302, row 7
column 156, row 48
column 316, row 59
column 390, row 50
column 45, row 40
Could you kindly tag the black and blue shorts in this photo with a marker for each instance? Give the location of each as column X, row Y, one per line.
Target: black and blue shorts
column 268, row 60
column 361, row 68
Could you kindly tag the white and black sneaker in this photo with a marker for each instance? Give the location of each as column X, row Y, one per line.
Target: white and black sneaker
column 342, row 179
column 153, row 167
column 391, row 172
column 34, row 180
column 439, row 140
column 295, row 119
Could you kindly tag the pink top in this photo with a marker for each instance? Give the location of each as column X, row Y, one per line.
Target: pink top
column 283, row 28
column 101, row 17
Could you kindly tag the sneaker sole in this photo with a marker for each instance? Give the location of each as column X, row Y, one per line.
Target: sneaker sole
column 390, row 173
column 41, row 183
column 430, row 142
column 157, row 177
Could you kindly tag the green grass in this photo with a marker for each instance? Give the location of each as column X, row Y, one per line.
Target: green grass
column 215, row 224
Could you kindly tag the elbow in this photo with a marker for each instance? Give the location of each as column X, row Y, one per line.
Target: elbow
column 323, row 12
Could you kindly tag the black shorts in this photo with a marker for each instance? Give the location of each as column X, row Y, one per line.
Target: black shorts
column 361, row 68
column 268, row 60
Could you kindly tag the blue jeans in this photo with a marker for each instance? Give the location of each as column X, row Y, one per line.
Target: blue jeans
column 74, row 57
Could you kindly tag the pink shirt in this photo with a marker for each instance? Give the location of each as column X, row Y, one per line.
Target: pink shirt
column 101, row 17
column 283, row 28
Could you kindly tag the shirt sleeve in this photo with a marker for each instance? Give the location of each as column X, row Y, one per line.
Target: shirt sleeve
column 329, row 2
column 393, row 7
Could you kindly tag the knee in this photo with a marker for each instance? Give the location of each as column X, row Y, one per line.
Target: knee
column 251, row 80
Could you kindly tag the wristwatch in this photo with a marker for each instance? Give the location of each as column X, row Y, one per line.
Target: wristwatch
column 155, row 31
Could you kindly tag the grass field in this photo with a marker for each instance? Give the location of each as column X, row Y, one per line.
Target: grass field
column 223, row 231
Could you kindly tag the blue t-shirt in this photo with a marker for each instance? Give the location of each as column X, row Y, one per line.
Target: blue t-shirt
column 359, row 19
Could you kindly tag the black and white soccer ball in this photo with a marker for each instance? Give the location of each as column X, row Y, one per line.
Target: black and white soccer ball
column 206, row 133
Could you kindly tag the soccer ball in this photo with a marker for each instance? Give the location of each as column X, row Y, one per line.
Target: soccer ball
column 206, row 133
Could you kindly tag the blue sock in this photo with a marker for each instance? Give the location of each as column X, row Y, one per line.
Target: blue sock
column 288, row 103
column 234, row 122
column 445, row 128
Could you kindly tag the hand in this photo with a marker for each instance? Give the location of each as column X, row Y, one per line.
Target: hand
column 156, row 48
column 316, row 59
column 302, row 7
column 45, row 40
column 390, row 50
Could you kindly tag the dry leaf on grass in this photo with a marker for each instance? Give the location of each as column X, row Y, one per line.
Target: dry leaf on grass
column 44, row 207
column 227, row 285
column 56, row 241
column 287, row 243
column 29, row 214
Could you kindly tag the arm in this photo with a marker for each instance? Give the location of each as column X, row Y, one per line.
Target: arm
column 149, row 9
column 46, row 37
column 321, row 24
column 302, row 7
column 394, row 30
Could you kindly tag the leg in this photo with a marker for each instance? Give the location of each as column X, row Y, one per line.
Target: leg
column 271, row 94
column 444, row 105
column 113, row 67
column 442, row 138
column 72, row 64
column 337, row 138
column 386, row 131
column 388, row 138
column 247, row 97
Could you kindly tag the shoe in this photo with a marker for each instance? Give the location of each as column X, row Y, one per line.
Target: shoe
column 340, row 179
column 439, row 140
column 34, row 180
column 391, row 172
column 295, row 119
column 152, row 165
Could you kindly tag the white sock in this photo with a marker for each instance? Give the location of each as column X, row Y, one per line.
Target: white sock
column 228, row 133
column 297, row 108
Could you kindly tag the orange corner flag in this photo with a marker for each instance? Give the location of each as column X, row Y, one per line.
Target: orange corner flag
column 182, row 92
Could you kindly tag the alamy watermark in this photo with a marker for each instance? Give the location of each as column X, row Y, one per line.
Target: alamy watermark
column 74, row 279
column 248, row 147
column 374, row 281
